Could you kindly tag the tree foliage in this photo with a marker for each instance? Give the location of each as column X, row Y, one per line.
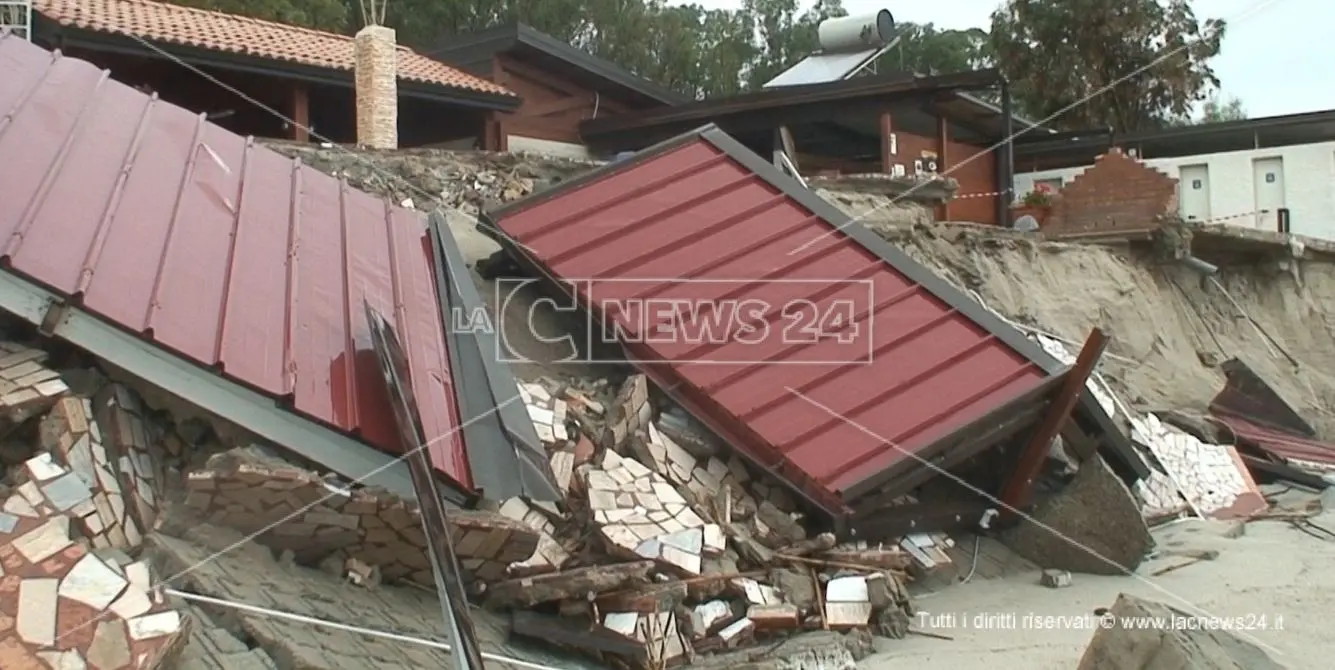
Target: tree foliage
column 1131, row 65
column 1217, row 110
column 1056, row 53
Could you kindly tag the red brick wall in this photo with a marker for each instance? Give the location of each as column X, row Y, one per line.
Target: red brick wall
column 1118, row 194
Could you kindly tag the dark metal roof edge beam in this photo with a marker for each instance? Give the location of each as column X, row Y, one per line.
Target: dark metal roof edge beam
column 204, row 389
column 505, row 441
column 768, row 99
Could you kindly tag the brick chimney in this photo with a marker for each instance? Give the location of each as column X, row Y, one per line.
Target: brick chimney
column 377, row 81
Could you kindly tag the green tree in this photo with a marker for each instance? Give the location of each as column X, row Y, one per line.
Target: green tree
column 331, row 15
column 784, row 36
column 1216, row 110
column 925, row 50
column 1132, row 65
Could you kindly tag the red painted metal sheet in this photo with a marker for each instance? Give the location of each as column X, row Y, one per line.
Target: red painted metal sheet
column 1284, row 445
column 693, row 224
column 221, row 251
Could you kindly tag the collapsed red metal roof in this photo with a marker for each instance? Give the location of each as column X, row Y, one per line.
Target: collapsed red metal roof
column 1283, row 445
column 220, row 251
column 701, row 222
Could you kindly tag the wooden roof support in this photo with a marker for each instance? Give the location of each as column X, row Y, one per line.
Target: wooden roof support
column 1019, row 488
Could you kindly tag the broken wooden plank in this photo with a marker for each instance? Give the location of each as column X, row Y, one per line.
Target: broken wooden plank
column 575, row 584
column 774, row 617
column 577, row 635
column 1019, row 488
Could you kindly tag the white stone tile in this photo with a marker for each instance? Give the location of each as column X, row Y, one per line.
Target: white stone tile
column 62, row 660
column 36, row 621
column 132, row 603
column 92, row 583
column 154, row 625
column 45, row 541
column 42, row 467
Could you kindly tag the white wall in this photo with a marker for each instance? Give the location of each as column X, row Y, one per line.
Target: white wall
column 1309, row 185
column 516, row 143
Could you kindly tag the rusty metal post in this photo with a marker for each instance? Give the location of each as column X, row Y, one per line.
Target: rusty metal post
column 465, row 651
column 1018, row 489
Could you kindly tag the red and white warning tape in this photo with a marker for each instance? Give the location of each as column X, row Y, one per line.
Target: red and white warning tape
column 992, row 194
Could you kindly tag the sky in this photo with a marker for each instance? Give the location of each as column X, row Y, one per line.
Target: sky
column 1278, row 56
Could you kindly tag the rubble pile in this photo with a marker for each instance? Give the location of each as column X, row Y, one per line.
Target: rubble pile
column 458, row 179
column 664, row 551
column 319, row 519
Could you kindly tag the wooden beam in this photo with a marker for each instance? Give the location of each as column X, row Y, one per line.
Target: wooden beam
column 1018, row 490
column 888, row 148
column 301, row 113
column 937, row 516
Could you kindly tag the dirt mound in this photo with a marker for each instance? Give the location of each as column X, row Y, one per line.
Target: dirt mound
column 1169, row 329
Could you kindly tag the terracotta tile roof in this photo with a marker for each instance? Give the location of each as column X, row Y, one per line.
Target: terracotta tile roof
column 173, row 24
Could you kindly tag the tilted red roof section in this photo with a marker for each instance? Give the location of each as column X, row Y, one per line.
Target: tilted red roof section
column 693, row 222
column 1279, row 443
column 218, row 31
column 221, row 251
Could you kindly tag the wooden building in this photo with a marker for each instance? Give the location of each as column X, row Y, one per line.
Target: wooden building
column 232, row 68
column 895, row 123
column 560, row 87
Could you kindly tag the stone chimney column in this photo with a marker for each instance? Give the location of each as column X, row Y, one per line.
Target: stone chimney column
column 377, row 82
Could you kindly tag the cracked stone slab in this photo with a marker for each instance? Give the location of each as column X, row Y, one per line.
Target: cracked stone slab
column 295, row 509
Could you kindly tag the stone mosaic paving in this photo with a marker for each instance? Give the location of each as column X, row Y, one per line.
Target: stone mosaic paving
column 253, row 492
column 68, row 606
column 1211, row 477
column 550, row 554
column 639, row 514
column 117, row 466
column 27, row 387
column 548, row 413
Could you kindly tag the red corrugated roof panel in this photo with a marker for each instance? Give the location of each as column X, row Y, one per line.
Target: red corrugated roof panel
column 1284, row 445
column 854, row 329
column 223, row 252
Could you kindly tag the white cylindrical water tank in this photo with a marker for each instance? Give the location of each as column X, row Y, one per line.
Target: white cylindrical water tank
column 855, row 33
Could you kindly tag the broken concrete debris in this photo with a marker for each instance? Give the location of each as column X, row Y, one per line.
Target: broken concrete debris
column 685, row 551
column 1122, row 647
column 288, row 508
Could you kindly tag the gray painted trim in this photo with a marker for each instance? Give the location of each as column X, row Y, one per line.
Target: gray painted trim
column 505, row 455
column 230, row 401
column 869, row 240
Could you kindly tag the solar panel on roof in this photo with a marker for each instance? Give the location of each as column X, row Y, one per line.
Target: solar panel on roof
column 848, row 45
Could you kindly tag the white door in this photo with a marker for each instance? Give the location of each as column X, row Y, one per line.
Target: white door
column 1268, row 182
column 1193, row 192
